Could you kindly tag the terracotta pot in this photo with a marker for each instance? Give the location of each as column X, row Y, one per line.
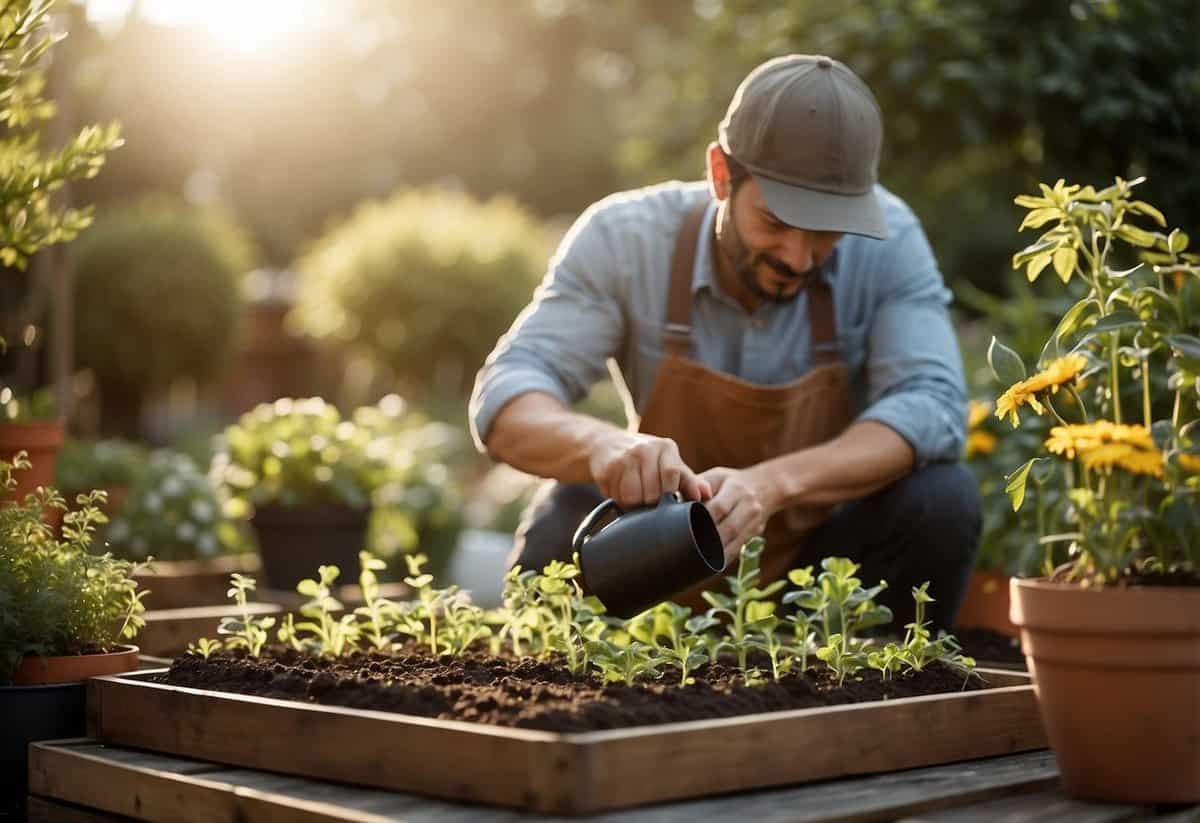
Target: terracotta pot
column 42, row 439
column 73, row 668
column 986, row 604
column 1117, row 675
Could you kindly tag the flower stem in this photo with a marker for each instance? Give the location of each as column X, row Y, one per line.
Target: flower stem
column 1146, row 392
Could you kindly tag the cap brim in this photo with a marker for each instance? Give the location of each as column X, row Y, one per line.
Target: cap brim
column 823, row 211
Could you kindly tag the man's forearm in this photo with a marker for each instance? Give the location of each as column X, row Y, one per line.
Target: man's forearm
column 863, row 459
column 537, row 434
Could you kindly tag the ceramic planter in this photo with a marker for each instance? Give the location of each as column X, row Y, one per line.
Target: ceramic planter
column 986, row 604
column 46, row 702
column 294, row 540
column 1117, row 674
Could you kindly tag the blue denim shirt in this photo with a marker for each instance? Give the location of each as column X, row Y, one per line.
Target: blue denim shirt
column 604, row 298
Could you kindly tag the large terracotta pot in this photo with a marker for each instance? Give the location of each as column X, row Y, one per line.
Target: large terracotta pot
column 986, row 604
column 34, row 670
column 1117, row 675
column 42, row 440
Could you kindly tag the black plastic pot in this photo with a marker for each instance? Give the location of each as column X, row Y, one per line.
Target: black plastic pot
column 29, row 713
column 294, row 540
column 646, row 556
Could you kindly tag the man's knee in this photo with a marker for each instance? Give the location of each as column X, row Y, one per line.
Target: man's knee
column 550, row 521
column 939, row 504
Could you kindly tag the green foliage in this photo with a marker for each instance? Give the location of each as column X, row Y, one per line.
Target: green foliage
column 676, row 635
column 56, row 596
column 29, row 172
column 745, row 603
column 327, row 635
column 157, row 295
column 174, row 510
column 422, row 284
column 204, row 647
column 294, row 452
column 624, row 663
column 98, row 464
column 375, row 610
column 244, row 631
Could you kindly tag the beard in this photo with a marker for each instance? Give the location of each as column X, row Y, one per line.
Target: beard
column 745, row 265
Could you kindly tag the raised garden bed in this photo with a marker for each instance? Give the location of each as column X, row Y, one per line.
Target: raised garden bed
column 547, row 771
column 178, row 584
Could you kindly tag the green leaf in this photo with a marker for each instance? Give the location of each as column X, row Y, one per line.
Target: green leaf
column 1030, row 201
column 1074, row 318
column 1065, row 259
column 1177, row 241
column 1016, row 483
column 1115, row 321
column 1142, row 207
column 308, row 588
column 1137, row 237
column 1039, row 217
column 1186, row 349
column 1005, row 363
column 1037, row 264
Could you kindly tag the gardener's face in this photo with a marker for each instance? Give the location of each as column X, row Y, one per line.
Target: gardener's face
column 769, row 257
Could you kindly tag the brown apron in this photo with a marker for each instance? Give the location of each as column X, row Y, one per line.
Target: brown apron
column 717, row 419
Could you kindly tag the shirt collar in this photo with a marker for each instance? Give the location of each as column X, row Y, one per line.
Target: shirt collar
column 704, row 275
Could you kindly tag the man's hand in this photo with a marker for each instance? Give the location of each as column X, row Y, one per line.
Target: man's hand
column 740, row 506
column 636, row 469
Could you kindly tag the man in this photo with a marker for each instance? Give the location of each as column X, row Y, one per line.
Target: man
column 783, row 334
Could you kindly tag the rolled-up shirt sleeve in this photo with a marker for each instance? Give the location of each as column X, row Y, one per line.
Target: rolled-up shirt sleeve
column 914, row 368
column 560, row 343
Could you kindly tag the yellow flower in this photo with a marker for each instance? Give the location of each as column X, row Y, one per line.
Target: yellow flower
column 1190, row 463
column 977, row 412
column 1104, row 445
column 1063, row 370
column 980, row 442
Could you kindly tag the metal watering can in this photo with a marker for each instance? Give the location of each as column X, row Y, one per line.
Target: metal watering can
column 647, row 555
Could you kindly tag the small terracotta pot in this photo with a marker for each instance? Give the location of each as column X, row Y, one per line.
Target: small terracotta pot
column 72, row 668
column 42, row 440
column 986, row 604
column 1117, row 675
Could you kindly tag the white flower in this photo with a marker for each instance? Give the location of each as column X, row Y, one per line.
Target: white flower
column 186, row 532
column 118, row 532
column 152, row 503
column 206, row 545
column 172, row 486
column 202, row 510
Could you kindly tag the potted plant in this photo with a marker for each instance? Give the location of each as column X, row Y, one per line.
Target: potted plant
column 64, row 611
column 30, row 426
column 306, row 475
column 1112, row 637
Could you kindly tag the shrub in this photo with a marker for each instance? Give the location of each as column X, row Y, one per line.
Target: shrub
column 99, row 464
column 156, row 297
column 422, row 284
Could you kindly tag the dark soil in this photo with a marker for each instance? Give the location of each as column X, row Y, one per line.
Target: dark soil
column 987, row 646
column 534, row 695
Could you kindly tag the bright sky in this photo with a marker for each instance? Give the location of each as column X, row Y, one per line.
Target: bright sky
column 241, row 25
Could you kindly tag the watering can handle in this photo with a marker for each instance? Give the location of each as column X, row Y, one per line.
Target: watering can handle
column 585, row 528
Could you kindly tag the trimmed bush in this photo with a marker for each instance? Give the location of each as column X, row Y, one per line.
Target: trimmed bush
column 423, row 283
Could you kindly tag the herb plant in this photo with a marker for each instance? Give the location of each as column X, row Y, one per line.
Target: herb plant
column 244, row 631
column 746, row 602
column 56, row 596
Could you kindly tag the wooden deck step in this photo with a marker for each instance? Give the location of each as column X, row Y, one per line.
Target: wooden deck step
column 148, row 786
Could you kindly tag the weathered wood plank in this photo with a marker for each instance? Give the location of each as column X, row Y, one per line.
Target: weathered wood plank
column 263, row 796
column 1035, row 808
column 574, row 774
column 168, row 631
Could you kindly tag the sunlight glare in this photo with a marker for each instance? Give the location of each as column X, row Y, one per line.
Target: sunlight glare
column 241, row 25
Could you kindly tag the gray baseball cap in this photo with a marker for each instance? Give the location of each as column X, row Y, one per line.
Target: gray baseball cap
column 810, row 130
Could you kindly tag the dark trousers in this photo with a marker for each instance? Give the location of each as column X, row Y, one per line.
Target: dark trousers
column 924, row 526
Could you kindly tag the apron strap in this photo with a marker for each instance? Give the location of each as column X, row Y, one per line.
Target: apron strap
column 677, row 336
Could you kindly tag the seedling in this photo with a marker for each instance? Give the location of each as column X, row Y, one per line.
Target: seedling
column 768, row 641
column 464, row 625
column 800, row 620
column 519, row 618
column 204, row 647
column 244, row 631
column 559, row 592
column 624, row 663
column 746, row 601
column 328, row 636
column 376, row 611
column 843, row 655
column 685, row 646
column 430, row 601
column 888, row 661
column 919, row 650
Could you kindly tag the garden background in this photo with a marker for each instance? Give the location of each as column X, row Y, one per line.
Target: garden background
column 352, row 200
